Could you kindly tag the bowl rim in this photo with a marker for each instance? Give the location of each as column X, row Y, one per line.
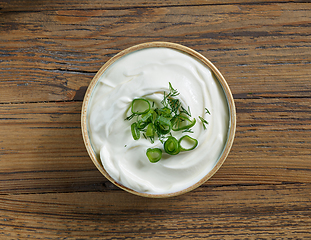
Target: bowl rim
column 184, row 49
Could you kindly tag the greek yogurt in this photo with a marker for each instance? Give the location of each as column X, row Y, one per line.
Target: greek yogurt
column 146, row 73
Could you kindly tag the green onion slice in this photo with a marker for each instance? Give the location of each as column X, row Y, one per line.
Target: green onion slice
column 147, row 117
column 150, row 130
column 140, row 106
column 187, row 143
column 165, row 112
column 171, row 146
column 163, row 124
column 135, row 131
column 182, row 122
column 141, row 125
column 154, row 154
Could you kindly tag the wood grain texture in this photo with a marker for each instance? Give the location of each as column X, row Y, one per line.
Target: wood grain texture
column 50, row 51
column 23, row 5
column 210, row 212
column 45, row 55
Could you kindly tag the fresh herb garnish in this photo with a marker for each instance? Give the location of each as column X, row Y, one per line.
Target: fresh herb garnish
column 154, row 154
column 135, row 131
column 171, row 146
column 203, row 122
column 187, row 130
column 155, row 122
column 187, row 112
column 130, row 117
column 192, row 142
column 173, row 92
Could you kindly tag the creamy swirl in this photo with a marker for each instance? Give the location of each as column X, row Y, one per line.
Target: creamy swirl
column 147, row 73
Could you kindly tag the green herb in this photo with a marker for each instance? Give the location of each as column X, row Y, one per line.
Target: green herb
column 151, row 139
column 171, row 146
column 135, row 131
column 158, row 122
column 140, row 106
column 174, row 105
column 187, row 112
column 144, row 135
column 189, row 141
column 150, row 130
column 207, row 111
column 130, row 117
column 203, row 122
column 154, row 154
column 187, row 130
column 163, row 125
column 182, row 122
column 168, row 97
column 173, row 91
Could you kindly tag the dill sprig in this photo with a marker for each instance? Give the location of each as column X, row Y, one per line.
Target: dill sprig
column 203, row 122
column 187, row 130
column 130, row 117
column 187, row 112
column 173, row 92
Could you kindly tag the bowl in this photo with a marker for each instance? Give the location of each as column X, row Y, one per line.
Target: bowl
column 147, row 70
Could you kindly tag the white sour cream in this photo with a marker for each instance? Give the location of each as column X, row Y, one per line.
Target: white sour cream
column 147, row 73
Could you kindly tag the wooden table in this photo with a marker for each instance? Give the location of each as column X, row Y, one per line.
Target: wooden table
column 50, row 51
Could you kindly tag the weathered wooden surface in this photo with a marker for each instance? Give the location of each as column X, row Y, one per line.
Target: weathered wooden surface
column 49, row 52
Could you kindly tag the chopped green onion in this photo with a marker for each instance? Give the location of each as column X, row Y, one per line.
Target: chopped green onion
column 189, row 141
column 135, row 131
column 171, row 146
column 150, row 130
column 165, row 112
column 154, row 122
column 147, row 117
column 141, row 125
column 154, row 154
column 163, row 124
column 140, row 106
column 182, row 122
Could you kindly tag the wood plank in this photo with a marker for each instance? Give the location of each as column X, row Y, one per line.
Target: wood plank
column 239, row 212
column 256, row 47
column 31, row 6
column 41, row 147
